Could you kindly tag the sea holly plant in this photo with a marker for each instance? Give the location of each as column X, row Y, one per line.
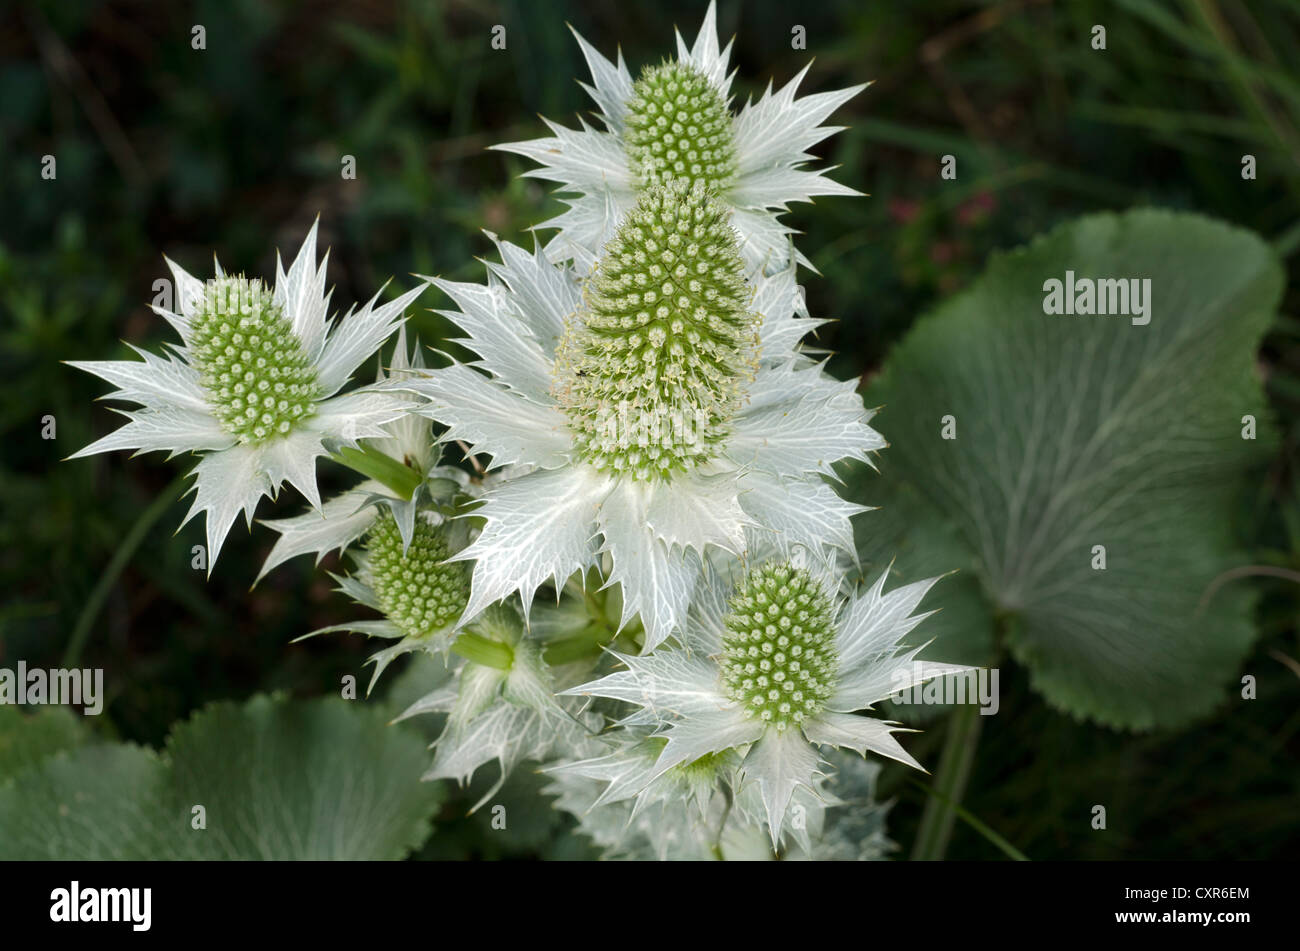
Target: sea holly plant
column 254, row 386
column 675, row 122
column 660, row 407
column 642, row 437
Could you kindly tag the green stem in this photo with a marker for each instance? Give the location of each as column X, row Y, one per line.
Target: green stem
column 949, row 784
column 90, row 610
column 402, row 479
column 716, row 847
column 600, row 632
column 480, row 650
column 587, row 642
column 1005, row 847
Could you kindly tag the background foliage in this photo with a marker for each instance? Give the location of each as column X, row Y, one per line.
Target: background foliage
column 237, row 148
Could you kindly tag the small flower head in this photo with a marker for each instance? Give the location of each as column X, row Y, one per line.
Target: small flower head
column 500, row 703
column 778, row 657
column 417, row 589
column 652, row 370
column 419, row 593
column 679, row 127
column 630, row 811
column 253, row 368
column 254, row 386
column 771, row 666
column 676, row 122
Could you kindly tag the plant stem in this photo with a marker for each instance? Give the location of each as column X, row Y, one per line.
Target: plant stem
column 588, row 642
column 401, row 478
column 1005, row 847
column 90, row 610
column 949, row 783
column 716, row 847
column 480, row 650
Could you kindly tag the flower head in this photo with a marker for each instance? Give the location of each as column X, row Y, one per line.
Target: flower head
column 778, row 655
column 678, row 814
column 252, row 367
column 773, row 665
column 675, row 122
column 678, row 126
column 695, row 810
column 253, row 386
column 414, row 586
column 419, row 592
column 654, row 368
column 666, row 412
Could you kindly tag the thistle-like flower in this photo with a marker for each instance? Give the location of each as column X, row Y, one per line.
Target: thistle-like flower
column 408, row 580
column 775, row 668
column 675, row 122
column 253, row 386
column 699, row 810
column 665, row 411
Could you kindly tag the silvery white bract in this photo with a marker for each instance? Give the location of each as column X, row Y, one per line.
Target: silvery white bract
column 660, row 828
column 506, row 711
column 753, row 160
column 772, row 664
column 253, row 386
column 854, row 831
column 693, row 811
column 557, row 514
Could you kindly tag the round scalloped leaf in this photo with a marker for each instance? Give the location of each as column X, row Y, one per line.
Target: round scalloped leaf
column 95, row 803
column 320, row 779
column 1080, row 431
column 28, row 738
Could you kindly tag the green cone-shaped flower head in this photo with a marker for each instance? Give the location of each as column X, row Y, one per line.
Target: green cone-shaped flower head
column 252, row 366
column 416, row 589
column 678, row 127
column 651, row 371
column 779, row 657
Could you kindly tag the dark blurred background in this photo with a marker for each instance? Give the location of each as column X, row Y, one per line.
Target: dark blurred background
column 236, row 148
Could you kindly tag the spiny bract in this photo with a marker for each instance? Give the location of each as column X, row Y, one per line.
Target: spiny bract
column 678, row 126
column 651, row 370
column 778, row 653
column 257, row 377
column 417, row 590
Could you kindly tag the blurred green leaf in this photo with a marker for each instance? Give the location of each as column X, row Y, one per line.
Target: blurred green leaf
column 320, row 779
column 94, row 803
column 1075, row 431
column 27, row 739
